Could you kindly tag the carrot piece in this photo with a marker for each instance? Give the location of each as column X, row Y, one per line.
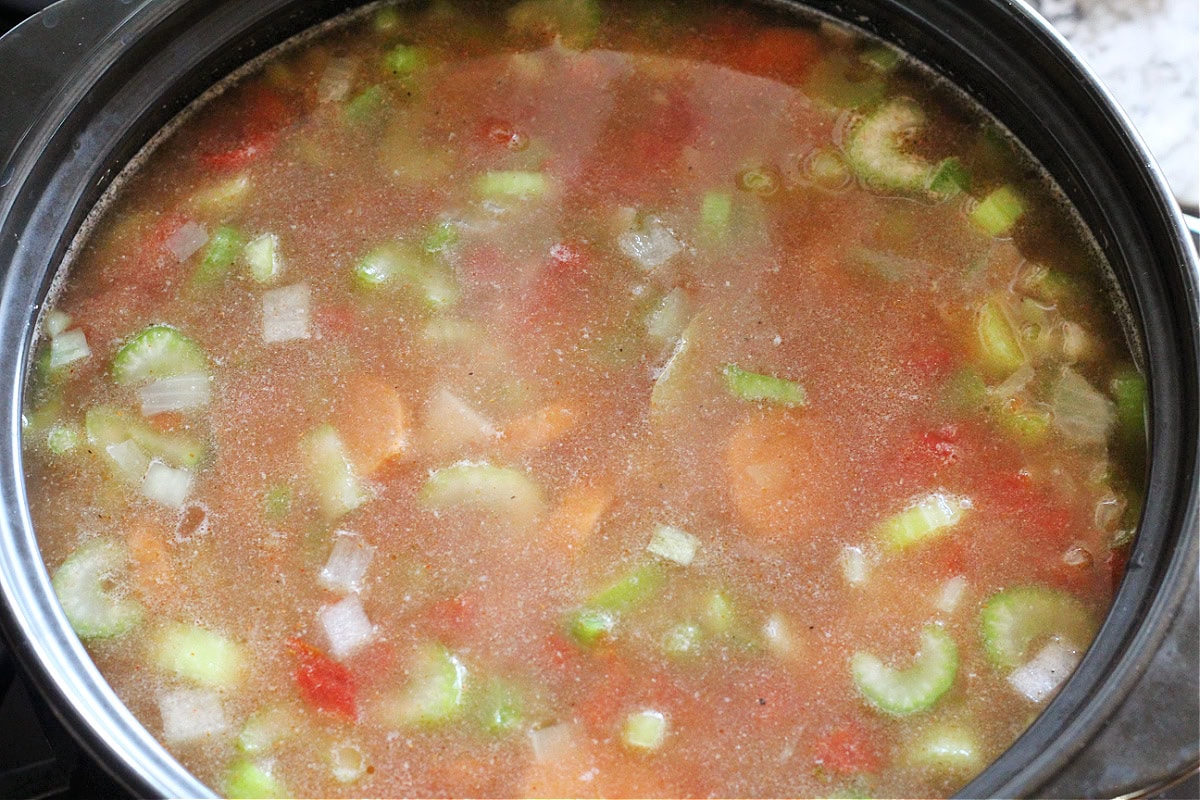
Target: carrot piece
column 784, row 473
column 544, row 426
column 577, row 515
column 151, row 561
column 372, row 421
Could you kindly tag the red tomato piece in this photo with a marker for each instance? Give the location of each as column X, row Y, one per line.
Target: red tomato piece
column 781, row 53
column 264, row 113
column 848, row 750
column 324, row 684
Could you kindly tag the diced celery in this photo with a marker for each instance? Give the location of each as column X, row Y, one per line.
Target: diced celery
column 756, row 386
column 86, row 586
column 408, row 268
column 247, row 780
column 158, row 351
column 931, row 516
column 826, row 168
column 1128, row 389
column 949, row 179
column 630, row 590
column 1013, row 620
column 435, row 690
column 339, row 490
column 574, row 22
column 946, row 748
column 881, row 57
column 219, row 254
column 1026, row 422
column 965, row 389
column 762, row 181
column 666, row 321
column 1000, row 349
column 198, row 654
column 511, row 183
column 67, row 348
column 716, row 209
column 264, row 730
column 875, row 149
column 479, row 485
column 999, row 211
column 718, row 614
column 906, row 691
column 673, row 544
column 107, row 426
column 590, row 625
column 502, row 708
column 644, row 730
column 404, row 60
column 346, row 762
column 682, row 640
column 62, row 438
column 262, row 255
column 441, row 237
column 56, row 322
column 366, row 105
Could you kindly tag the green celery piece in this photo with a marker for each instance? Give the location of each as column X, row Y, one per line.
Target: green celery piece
column 441, row 237
column 339, row 490
column 949, row 179
column 262, row 255
column 882, row 58
column 1128, row 389
column 999, row 211
column 589, row 625
column 945, row 748
column 630, row 590
column 875, row 149
column 930, row 517
column 1013, row 620
column 435, row 692
column 106, row 426
column 574, row 22
column 158, row 351
column 277, row 502
column 760, row 387
column 405, row 60
column 412, row 269
column 62, row 438
column 502, row 708
column 511, row 183
column 716, row 210
column 1027, row 423
column 197, row 654
column 83, row 584
column 965, row 390
column 223, row 194
column 479, row 485
column 366, row 105
column 644, row 730
column 999, row 348
column 264, row 730
column 901, row 692
column 219, row 254
column 718, row 616
column 248, row 780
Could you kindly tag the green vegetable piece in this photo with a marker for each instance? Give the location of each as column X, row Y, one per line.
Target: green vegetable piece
column 479, row 485
column 965, row 389
column 630, row 590
column 264, row 730
column 277, row 502
column 338, row 488
column 502, row 709
column 756, row 386
column 224, row 194
column 405, row 267
column 644, row 730
column 262, row 255
column 900, row 692
column 56, row 322
column 949, row 179
column 1000, row 350
column 718, row 614
column 435, row 691
column 249, row 779
column 1027, row 423
column 198, row 654
column 931, row 516
column 404, row 60
column 574, row 22
column 590, row 625
column 946, row 748
column 999, row 211
column 875, row 149
column 1013, row 620
column 68, row 347
column 107, row 426
column 511, row 183
column 62, row 438
column 224, row 246
column 441, row 237
column 884, row 59
column 87, row 586
column 158, row 351
column 1128, row 389
column 366, row 105
column 716, row 210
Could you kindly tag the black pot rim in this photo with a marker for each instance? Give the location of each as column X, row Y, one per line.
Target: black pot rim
column 1166, row 554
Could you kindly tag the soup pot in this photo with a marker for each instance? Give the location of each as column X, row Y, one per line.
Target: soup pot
column 89, row 82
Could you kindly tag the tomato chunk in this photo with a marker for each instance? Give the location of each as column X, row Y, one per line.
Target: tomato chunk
column 324, row 684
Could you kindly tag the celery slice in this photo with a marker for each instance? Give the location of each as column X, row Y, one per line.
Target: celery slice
column 158, row 351
column 107, row 427
column 264, row 730
column 404, row 60
column 931, row 516
column 644, row 730
column 481, row 485
column 198, row 654
column 947, row 748
column 435, row 691
column 1013, row 620
column 906, row 691
column 339, row 490
column 511, row 183
column 82, row 584
column 598, row 617
column 999, row 211
column 409, row 268
column 222, row 249
column 999, row 348
column 875, row 149
column 248, row 779
column 262, row 254
column 716, row 210
column 759, row 387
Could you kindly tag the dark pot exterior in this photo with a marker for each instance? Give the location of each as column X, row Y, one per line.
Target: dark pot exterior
column 88, row 82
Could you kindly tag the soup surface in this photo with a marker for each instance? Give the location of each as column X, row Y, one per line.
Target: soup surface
column 563, row 399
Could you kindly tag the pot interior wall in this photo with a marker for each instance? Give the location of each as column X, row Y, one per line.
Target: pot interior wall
column 114, row 99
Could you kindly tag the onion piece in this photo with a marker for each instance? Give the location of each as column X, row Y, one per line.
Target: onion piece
column 336, row 80
column 552, row 743
column 347, row 762
column 651, row 245
column 854, row 565
column 186, row 240
column 68, row 347
column 130, row 459
column 191, row 714
column 1080, row 411
column 167, row 485
column 347, row 563
column 673, row 544
column 951, row 594
column 1045, row 672
column 346, row 626
column 452, row 425
column 286, row 313
column 177, row 393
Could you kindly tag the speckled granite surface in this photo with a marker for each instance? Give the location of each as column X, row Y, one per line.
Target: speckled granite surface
column 1148, row 54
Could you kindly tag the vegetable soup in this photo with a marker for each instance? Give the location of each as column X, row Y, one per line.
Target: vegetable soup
column 582, row 398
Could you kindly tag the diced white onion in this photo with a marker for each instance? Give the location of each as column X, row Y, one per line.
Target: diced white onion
column 186, row 240
column 177, row 393
column 451, row 424
column 552, row 743
column 673, row 544
column 668, row 319
column 1042, row 675
column 336, row 80
column 951, row 594
column 779, row 636
column 645, row 730
column 56, row 322
column 346, row 626
column 191, row 714
column 1080, row 411
column 347, row 762
column 347, row 563
column 131, row 460
column 854, row 565
column 651, row 245
column 167, row 485
column 67, row 348
column 286, row 313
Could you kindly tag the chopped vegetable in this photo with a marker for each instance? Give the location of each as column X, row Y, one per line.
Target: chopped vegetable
column 158, row 352
column 760, row 387
column 223, row 248
column 480, row 485
column 411, row 269
column 338, row 487
column 346, row 626
column 999, row 348
column 999, row 211
column 511, row 183
column 875, row 149
column 946, row 748
column 264, row 730
column 932, row 515
column 347, row 564
column 323, row 683
column 574, row 22
column 176, row 393
column 262, row 255
column 199, row 655
column 1013, row 620
column 107, row 427
column 644, row 730
column 673, row 544
column 167, row 485
column 249, row 779
column 91, row 596
column 190, row 715
column 435, row 691
column 906, row 691
column 285, row 314
column 67, row 348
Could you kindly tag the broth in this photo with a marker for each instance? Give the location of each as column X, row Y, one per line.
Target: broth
column 566, row 399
